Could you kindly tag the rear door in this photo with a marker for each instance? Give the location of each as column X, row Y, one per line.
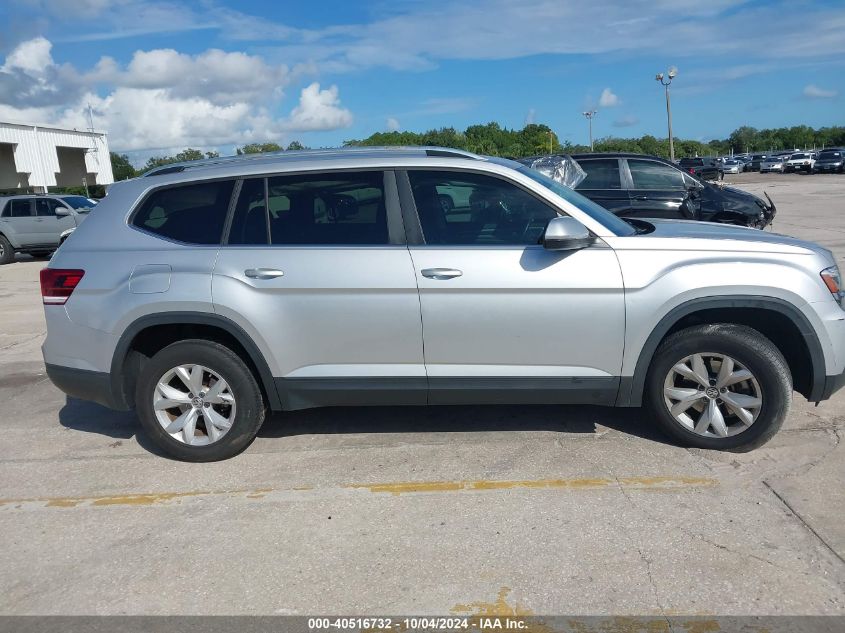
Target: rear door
column 603, row 184
column 657, row 190
column 317, row 271
column 504, row 319
column 18, row 222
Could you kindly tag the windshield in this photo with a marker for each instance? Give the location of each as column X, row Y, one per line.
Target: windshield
column 795, row 156
column 598, row 213
column 829, row 155
column 80, row 203
column 691, row 161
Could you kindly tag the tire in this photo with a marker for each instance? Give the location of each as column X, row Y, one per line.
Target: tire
column 41, row 254
column 244, row 416
column 770, row 385
column 7, row 253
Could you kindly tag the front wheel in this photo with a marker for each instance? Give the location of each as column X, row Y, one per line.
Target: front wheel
column 199, row 402
column 723, row 387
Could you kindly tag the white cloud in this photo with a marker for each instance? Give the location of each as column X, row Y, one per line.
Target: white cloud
column 163, row 98
column 530, row 116
column 392, row 124
column 812, row 91
column 318, row 110
column 608, row 99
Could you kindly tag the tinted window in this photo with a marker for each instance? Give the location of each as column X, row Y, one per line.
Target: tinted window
column 19, row 208
column 249, row 224
column 648, row 174
column 602, row 173
column 829, row 155
column 192, row 213
column 464, row 208
column 343, row 208
column 46, row 206
column 691, row 162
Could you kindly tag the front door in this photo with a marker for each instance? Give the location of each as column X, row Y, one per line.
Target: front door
column 505, row 320
column 657, row 190
column 603, row 184
column 48, row 225
column 317, row 270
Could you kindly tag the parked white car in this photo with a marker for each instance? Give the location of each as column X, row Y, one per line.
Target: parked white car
column 800, row 161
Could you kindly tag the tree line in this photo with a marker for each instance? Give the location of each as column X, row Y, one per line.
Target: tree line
column 535, row 139
column 122, row 168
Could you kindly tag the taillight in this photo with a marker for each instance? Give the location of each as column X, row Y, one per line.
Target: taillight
column 57, row 284
column 692, row 171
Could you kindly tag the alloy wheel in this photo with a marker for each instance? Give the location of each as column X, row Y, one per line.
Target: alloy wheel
column 194, row 405
column 712, row 395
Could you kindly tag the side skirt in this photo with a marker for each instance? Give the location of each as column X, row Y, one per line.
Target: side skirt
column 305, row 393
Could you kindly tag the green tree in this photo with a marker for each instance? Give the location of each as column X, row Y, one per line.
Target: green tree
column 296, row 145
column 259, row 148
column 121, row 167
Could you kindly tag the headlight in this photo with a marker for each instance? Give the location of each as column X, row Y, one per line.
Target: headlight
column 833, row 280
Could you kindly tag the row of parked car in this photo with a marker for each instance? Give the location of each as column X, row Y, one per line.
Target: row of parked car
column 827, row 160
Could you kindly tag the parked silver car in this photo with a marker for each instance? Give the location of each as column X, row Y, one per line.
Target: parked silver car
column 731, row 166
column 772, row 164
column 205, row 293
column 37, row 224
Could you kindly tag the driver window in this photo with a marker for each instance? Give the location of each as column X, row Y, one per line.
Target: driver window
column 649, row 174
column 472, row 209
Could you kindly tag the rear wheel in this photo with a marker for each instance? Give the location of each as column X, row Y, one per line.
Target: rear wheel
column 7, row 253
column 199, row 402
column 723, row 387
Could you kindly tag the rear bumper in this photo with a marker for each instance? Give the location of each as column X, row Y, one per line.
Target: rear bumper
column 86, row 385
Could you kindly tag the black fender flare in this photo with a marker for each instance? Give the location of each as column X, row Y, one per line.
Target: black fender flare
column 196, row 318
column 631, row 387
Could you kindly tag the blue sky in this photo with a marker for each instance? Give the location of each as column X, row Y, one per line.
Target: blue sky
column 164, row 75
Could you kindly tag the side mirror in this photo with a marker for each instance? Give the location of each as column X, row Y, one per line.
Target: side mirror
column 60, row 211
column 566, row 234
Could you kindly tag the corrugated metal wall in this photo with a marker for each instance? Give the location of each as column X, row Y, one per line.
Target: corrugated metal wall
column 35, row 152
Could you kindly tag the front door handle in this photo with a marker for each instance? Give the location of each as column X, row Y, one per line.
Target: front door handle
column 640, row 197
column 263, row 273
column 441, row 273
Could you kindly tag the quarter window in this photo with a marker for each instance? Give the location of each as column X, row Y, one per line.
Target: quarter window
column 602, row 173
column 192, row 213
column 470, row 209
column 648, row 174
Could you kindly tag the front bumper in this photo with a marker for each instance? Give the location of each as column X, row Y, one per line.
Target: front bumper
column 832, row 384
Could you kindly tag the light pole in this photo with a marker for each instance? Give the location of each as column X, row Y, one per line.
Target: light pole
column 590, row 114
column 670, row 75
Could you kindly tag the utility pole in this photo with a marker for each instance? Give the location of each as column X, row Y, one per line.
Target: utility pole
column 550, row 142
column 590, row 114
column 669, row 76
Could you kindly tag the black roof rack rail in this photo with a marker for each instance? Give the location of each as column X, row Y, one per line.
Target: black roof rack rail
column 165, row 170
column 447, row 153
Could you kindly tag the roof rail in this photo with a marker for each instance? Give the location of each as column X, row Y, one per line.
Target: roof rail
column 443, row 152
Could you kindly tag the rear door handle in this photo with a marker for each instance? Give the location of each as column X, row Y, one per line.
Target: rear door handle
column 441, row 273
column 640, row 197
column 263, row 273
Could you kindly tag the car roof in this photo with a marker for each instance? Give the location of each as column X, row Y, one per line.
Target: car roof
column 310, row 157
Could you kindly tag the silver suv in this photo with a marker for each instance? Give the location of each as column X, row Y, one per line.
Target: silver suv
column 206, row 293
column 38, row 224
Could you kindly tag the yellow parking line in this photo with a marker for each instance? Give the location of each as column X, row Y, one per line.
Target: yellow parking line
column 394, row 488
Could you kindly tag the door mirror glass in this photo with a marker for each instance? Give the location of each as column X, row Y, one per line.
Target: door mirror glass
column 566, row 234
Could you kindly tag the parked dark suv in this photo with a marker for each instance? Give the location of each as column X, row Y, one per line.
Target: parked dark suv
column 830, row 160
column 638, row 186
column 704, row 168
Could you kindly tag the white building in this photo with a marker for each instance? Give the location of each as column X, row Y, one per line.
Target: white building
column 35, row 157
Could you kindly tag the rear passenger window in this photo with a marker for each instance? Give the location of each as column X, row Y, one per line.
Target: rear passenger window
column 192, row 213
column 18, row 209
column 602, row 173
column 342, row 208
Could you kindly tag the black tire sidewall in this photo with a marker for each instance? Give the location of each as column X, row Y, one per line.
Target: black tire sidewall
column 776, row 395
column 8, row 252
column 249, row 413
